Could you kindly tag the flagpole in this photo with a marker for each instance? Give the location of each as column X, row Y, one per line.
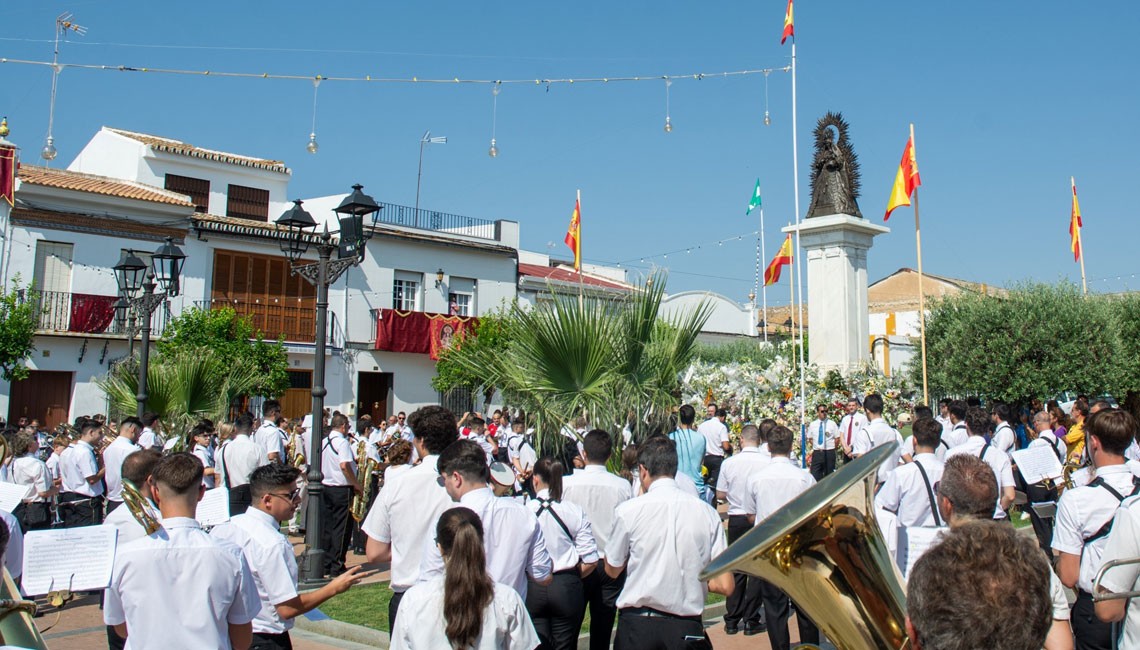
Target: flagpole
column 1081, row 244
column 921, row 295
column 798, row 274
column 764, row 287
column 578, row 256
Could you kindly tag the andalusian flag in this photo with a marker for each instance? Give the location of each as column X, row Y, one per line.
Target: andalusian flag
column 789, row 25
column 573, row 237
column 783, row 257
column 755, row 201
column 906, row 180
column 1075, row 225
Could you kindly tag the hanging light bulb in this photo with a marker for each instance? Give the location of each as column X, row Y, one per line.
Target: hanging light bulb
column 312, row 147
column 668, row 125
column 48, row 152
column 668, row 122
column 767, row 119
column 493, row 151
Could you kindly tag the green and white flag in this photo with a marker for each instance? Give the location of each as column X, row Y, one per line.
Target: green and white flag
column 755, row 202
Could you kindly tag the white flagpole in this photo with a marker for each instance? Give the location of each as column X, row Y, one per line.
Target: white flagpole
column 799, row 273
column 763, row 287
column 578, row 253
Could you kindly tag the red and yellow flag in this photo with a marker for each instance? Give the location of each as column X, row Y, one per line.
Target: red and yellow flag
column 1075, row 226
column 573, row 237
column 906, row 180
column 789, row 25
column 782, row 258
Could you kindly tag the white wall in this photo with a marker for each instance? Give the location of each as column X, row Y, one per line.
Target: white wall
column 62, row 354
column 727, row 316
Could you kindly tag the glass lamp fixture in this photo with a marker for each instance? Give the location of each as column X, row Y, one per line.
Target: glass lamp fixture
column 767, row 119
column 668, row 125
column 49, row 152
column 312, row 147
column 493, row 151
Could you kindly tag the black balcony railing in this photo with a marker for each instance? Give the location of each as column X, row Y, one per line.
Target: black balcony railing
column 85, row 313
column 276, row 320
column 456, row 224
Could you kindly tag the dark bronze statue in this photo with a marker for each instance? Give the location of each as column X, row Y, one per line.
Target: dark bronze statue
column 834, row 170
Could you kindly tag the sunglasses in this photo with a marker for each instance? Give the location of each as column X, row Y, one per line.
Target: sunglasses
column 295, row 495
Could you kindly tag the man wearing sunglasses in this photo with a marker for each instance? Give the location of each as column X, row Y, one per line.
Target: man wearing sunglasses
column 271, row 559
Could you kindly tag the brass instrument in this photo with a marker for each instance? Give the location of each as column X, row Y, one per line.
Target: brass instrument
column 16, row 625
column 294, row 451
column 825, row 550
column 1098, row 595
column 140, row 508
column 1070, row 466
column 364, row 468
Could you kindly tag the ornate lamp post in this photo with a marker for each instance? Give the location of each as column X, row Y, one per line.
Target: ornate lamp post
column 164, row 274
column 299, row 226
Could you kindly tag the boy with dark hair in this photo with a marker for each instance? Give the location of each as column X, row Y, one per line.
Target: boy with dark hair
column 690, row 448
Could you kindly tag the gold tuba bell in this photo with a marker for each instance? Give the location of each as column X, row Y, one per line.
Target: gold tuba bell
column 17, row 628
column 825, row 550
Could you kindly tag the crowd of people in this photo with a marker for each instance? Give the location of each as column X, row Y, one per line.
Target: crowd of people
column 492, row 545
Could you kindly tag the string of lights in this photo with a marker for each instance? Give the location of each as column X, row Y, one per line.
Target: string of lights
column 689, row 249
column 698, row 76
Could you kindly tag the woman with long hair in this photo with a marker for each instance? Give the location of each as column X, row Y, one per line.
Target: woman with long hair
column 557, row 609
column 1059, row 420
column 463, row 609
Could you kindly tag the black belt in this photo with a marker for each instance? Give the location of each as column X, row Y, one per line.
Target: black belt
column 336, row 487
column 75, row 497
column 649, row 612
column 567, row 572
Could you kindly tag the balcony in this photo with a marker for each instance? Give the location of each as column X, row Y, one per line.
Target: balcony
column 84, row 313
column 455, row 224
column 274, row 320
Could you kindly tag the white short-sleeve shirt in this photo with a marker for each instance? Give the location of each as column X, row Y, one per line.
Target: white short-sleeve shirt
column 850, row 425
column 506, row 623
column 32, row 472
column 178, row 589
column 336, row 450
column 955, row 435
column 113, row 457
column 665, row 538
column 567, row 548
column 129, row 528
column 271, row 440
column 716, row 434
column 774, row 485
column 1124, row 544
column 1081, row 512
column 908, row 495
column 236, row 459
column 734, row 476
column 151, row 439
column 598, row 493
column 271, row 561
column 876, row 434
column 1004, row 438
column 823, row 434
column 75, row 466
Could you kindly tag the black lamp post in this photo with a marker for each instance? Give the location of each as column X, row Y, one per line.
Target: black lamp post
column 300, row 226
column 132, row 275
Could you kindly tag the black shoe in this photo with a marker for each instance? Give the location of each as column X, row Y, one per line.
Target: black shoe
column 731, row 628
column 754, row 629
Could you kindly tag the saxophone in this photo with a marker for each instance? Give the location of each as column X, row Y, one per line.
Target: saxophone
column 364, row 468
column 294, row 451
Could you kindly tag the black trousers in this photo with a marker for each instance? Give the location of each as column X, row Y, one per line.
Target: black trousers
column 80, row 510
column 713, row 464
column 601, row 593
column 393, row 607
column 1089, row 632
column 777, row 611
column 114, row 641
column 639, row 632
column 557, row 610
column 112, row 504
column 240, row 499
column 744, row 605
column 337, row 533
column 822, row 463
column 263, row 641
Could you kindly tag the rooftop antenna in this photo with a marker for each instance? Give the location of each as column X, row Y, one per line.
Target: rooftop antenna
column 63, row 24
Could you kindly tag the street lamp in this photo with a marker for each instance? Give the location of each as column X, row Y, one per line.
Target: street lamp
column 166, row 268
column 427, row 139
column 299, row 228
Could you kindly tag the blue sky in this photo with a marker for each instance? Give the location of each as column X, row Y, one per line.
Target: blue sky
column 1008, row 101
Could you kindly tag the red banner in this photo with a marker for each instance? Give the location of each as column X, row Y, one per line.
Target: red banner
column 418, row 332
column 447, row 333
column 8, row 174
column 91, row 314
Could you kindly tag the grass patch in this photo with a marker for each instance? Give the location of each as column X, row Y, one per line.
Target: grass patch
column 365, row 605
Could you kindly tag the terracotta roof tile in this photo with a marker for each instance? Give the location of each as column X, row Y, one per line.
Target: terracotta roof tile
column 186, row 149
column 89, row 223
column 69, row 180
column 562, row 275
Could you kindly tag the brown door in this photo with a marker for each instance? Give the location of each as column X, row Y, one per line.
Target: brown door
column 372, row 390
column 298, row 398
column 44, row 395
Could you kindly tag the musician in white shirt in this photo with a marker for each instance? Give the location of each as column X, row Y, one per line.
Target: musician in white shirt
column 771, row 488
column 151, row 436
column 823, row 433
column 516, row 547
column 744, row 603
column 271, row 559
column 851, row 424
column 943, row 416
column 1041, row 435
column 199, row 446
column 977, row 424
column 909, row 489
column 1123, row 545
column 236, row 460
column 81, row 491
column 666, row 538
column 31, row 472
column 268, row 435
column 717, row 445
column 907, row 452
column 178, row 589
column 557, row 609
column 113, row 457
column 409, row 505
column 1004, row 438
column 598, row 492
column 338, row 487
column 877, row 433
column 957, row 434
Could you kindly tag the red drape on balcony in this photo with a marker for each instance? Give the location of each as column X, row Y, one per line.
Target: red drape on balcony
column 419, row 332
column 91, row 314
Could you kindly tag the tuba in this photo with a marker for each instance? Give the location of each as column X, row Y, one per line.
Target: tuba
column 17, row 628
column 825, row 550
column 364, row 468
column 139, row 508
column 294, row 451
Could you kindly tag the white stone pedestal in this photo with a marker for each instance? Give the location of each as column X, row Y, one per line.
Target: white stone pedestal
column 835, row 251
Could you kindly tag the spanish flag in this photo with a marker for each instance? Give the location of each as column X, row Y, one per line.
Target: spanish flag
column 783, row 257
column 573, row 237
column 789, row 25
column 906, row 180
column 1075, row 225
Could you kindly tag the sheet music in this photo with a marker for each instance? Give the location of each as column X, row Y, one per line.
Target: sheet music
column 52, row 560
column 913, row 543
column 214, row 508
column 11, row 494
column 1037, row 464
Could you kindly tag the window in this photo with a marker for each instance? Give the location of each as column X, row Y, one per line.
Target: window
column 197, row 189
column 247, row 203
column 53, row 267
column 461, row 296
column 406, row 291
